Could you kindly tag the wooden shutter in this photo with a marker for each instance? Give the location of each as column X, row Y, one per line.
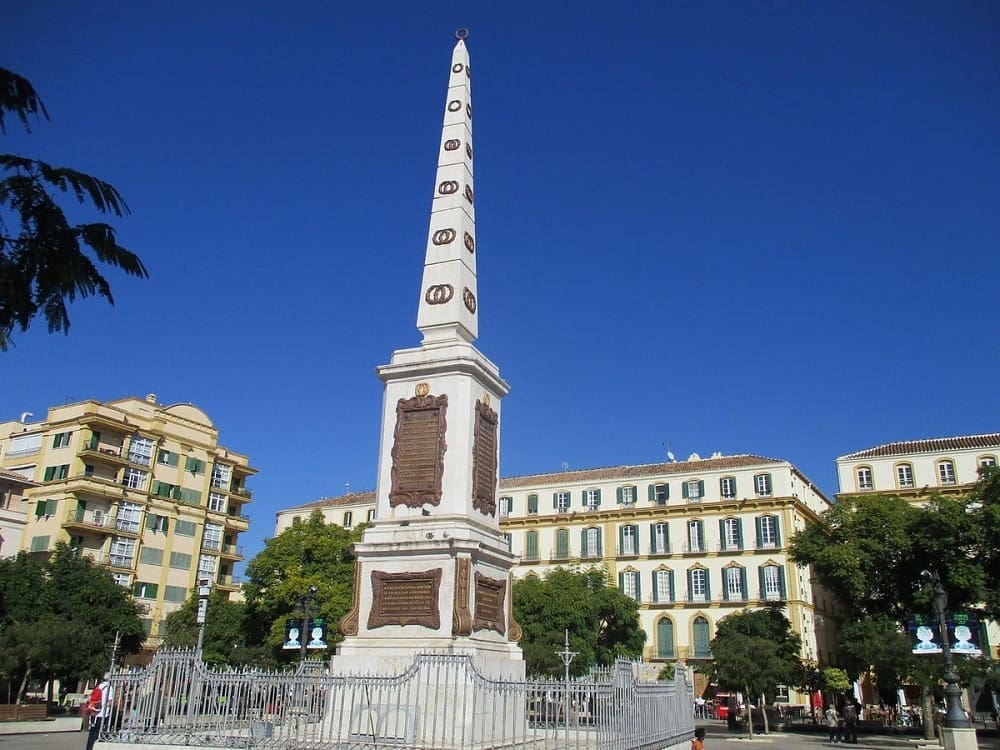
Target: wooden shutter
column 743, row 583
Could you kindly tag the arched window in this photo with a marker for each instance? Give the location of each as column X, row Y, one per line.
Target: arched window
column 865, row 480
column 562, row 544
column 946, row 472
column 701, row 639
column 904, row 475
column 531, row 545
column 665, row 638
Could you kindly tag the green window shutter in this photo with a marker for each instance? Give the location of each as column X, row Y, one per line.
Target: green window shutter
column 701, row 488
column 638, row 545
column 621, row 582
column 739, row 535
column 562, row 543
column 638, row 587
column 760, row 582
column 684, row 490
column 598, row 498
column 670, row 577
column 652, row 493
column 701, row 535
column 656, row 591
column 621, row 539
column 725, row 584
column 50, row 472
column 175, row 493
column 781, row 580
column 690, row 575
column 151, row 521
column 532, row 503
column 532, row 544
column 618, row 492
column 723, row 542
column 708, row 587
column 155, row 489
column 40, row 509
column 743, row 580
column 583, row 543
column 555, row 500
column 757, row 528
column 777, row 532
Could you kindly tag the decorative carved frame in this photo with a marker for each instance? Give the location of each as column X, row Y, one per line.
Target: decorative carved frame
column 429, row 491
column 484, row 449
column 461, row 623
column 483, row 619
column 348, row 624
column 429, row 618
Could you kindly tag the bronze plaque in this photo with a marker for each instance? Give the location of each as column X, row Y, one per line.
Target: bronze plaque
column 490, row 610
column 484, row 460
column 418, row 451
column 461, row 622
column 405, row 599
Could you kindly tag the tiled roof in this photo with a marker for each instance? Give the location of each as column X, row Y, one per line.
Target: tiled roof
column 931, row 445
column 17, row 478
column 581, row 475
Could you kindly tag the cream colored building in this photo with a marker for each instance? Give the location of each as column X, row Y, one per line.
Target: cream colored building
column 142, row 489
column 13, row 511
column 915, row 469
column 692, row 541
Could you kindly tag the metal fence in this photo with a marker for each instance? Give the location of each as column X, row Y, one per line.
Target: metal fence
column 441, row 701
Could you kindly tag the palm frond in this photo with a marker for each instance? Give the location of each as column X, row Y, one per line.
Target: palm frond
column 17, row 95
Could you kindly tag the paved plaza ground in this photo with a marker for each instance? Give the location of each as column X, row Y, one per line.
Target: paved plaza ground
column 719, row 738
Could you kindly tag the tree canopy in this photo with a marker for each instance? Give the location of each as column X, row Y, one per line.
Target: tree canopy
column 59, row 617
column 42, row 260
column 603, row 623
column 311, row 553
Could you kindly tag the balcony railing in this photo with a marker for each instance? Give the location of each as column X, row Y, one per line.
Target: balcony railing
column 242, row 492
column 127, row 526
column 232, row 550
column 96, row 518
column 659, row 549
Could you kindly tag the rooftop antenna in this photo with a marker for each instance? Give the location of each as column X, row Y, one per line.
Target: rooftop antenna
column 347, row 487
column 565, row 465
column 670, row 456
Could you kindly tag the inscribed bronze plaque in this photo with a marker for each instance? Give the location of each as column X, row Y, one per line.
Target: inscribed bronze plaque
column 418, row 451
column 484, row 460
column 490, row 595
column 461, row 616
column 405, row 599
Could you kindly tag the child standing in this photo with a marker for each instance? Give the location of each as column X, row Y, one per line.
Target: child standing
column 698, row 743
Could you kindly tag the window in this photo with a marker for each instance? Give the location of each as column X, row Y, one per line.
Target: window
column 660, row 538
column 206, row 566
column 191, row 497
column 185, row 528
column 592, row 499
column 665, row 638
column 39, row 544
column 151, row 556
column 122, row 552
column 727, row 487
column 772, row 583
column 140, row 450
column 156, row 523
column 762, row 484
column 767, row 532
column 628, row 582
column 167, row 458
column 143, row 590
column 695, row 537
column 129, row 518
column 562, row 544
column 694, row 489
column 702, row 649
column 731, row 532
column 45, row 508
column 987, row 461
column 134, row 479
column 23, row 445
column 122, row 579
column 663, row 585
column 735, row 581
column 560, row 501
column 194, row 465
column 56, row 472
column 864, row 474
column 591, row 542
column 348, row 519
column 212, row 536
column 626, row 495
column 629, row 541
column 61, row 440
column 371, row 515
column 904, row 475
column 180, row 560
column 174, row 593
column 531, row 545
column 506, row 505
column 506, row 540
column 698, row 585
column 221, row 475
column 162, row 489
column 217, row 502
column 659, row 493
column 88, row 470
column 532, row 504
column 946, row 472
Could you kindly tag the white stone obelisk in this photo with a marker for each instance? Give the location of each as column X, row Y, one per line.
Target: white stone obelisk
column 433, row 571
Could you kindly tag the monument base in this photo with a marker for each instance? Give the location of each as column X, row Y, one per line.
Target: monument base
column 959, row 739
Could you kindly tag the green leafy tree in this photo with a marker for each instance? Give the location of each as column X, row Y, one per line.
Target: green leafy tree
column 226, row 629
column 755, row 650
column 59, row 618
column 42, row 260
column 311, row 553
column 602, row 622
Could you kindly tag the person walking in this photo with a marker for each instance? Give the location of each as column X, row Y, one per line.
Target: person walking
column 833, row 723
column 99, row 709
column 850, row 722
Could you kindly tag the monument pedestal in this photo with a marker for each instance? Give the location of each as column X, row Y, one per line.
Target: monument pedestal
column 959, row 739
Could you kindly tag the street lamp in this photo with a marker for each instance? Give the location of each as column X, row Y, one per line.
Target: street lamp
column 204, row 590
column 567, row 658
column 954, row 717
column 304, row 601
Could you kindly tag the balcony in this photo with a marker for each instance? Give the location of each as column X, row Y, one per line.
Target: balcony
column 229, row 582
column 242, row 492
column 106, row 487
column 120, row 562
column 131, row 528
column 232, row 551
column 659, row 549
column 88, row 520
column 103, row 454
column 695, row 549
column 529, row 557
column 211, row 545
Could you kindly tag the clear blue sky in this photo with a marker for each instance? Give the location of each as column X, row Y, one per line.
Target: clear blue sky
column 742, row 227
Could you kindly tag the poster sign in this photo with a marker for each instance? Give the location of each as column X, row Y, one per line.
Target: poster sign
column 963, row 634
column 293, row 635
column 317, row 633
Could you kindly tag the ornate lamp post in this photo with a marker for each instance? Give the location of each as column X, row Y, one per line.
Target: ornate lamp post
column 567, row 658
column 954, row 717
